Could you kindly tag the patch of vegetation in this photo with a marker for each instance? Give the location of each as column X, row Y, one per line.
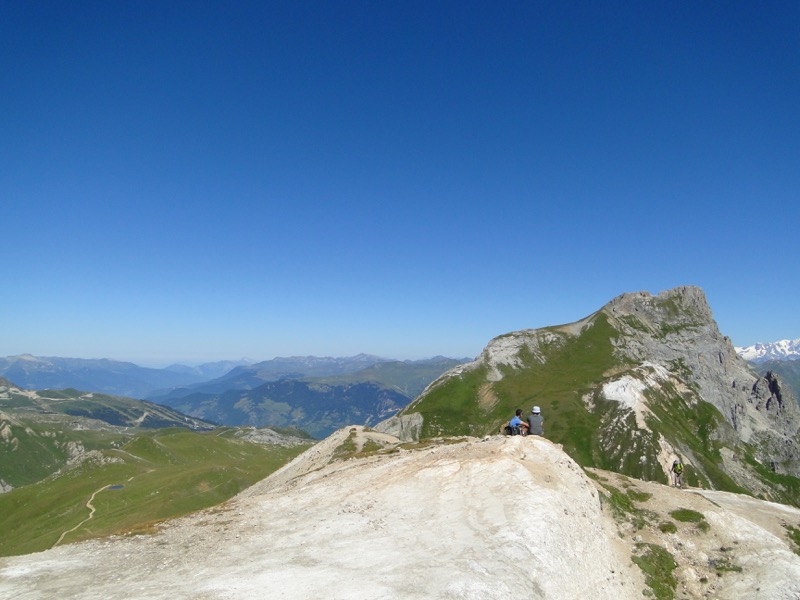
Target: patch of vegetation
column 669, row 328
column 623, row 508
column 620, row 503
column 657, row 564
column 794, row 537
column 687, row 515
column 723, row 565
column 679, row 368
column 370, row 448
column 593, row 475
column 634, row 322
column 161, row 474
column 69, row 393
column 420, row 445
column 347, row 448
column 452, row 408
column 783, row 488
column 639, row 496
column 624, row 447
column 667, row 527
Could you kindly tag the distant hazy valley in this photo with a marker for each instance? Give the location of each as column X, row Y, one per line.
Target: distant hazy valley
column 316, row 394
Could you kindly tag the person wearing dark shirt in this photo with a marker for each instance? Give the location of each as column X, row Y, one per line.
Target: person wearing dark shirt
column 536, row 422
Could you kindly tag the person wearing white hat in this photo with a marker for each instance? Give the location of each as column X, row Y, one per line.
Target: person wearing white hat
column 536, row 422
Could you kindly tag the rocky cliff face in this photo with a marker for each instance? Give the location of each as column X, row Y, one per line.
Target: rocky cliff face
column 642, row 381
column 676, row 329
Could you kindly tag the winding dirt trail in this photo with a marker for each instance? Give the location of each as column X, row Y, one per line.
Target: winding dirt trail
column 91, row 508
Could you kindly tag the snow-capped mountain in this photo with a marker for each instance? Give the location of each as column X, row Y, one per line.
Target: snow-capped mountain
column 781, row 350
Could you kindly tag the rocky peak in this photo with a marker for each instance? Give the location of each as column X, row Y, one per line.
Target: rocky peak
column 685, row 305
column 677, row 330
column 662, row 357
column 768, row 388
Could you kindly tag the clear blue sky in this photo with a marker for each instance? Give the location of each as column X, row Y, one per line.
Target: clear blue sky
column 190, row 181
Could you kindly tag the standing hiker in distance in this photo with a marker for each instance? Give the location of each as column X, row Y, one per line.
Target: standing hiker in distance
column 677, row 472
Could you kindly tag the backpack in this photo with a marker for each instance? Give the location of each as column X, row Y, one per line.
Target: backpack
column 509, row 430
column 678, row 468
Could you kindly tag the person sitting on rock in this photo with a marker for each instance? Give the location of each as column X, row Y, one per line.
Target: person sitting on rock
column 517, row 424
column 536, row 422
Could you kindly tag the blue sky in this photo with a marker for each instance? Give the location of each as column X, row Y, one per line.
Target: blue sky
column 191, row 181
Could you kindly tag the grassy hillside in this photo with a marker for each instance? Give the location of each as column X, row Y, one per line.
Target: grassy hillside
column 42, row 431
column 469, row 405
column 153, row 476
column 31, row 450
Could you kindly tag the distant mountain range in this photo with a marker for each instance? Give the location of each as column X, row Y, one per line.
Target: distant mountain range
column 317, row 395
column 128, row 379
column 249, row 376
column 316, row 408
column 780, row 350
column 103, row 375
column 210, row 370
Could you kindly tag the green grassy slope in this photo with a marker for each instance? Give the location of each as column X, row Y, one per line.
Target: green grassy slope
column 573, row 365
column 41, row 431
column 33, row 449
column 114, row 410
column 154, row 476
